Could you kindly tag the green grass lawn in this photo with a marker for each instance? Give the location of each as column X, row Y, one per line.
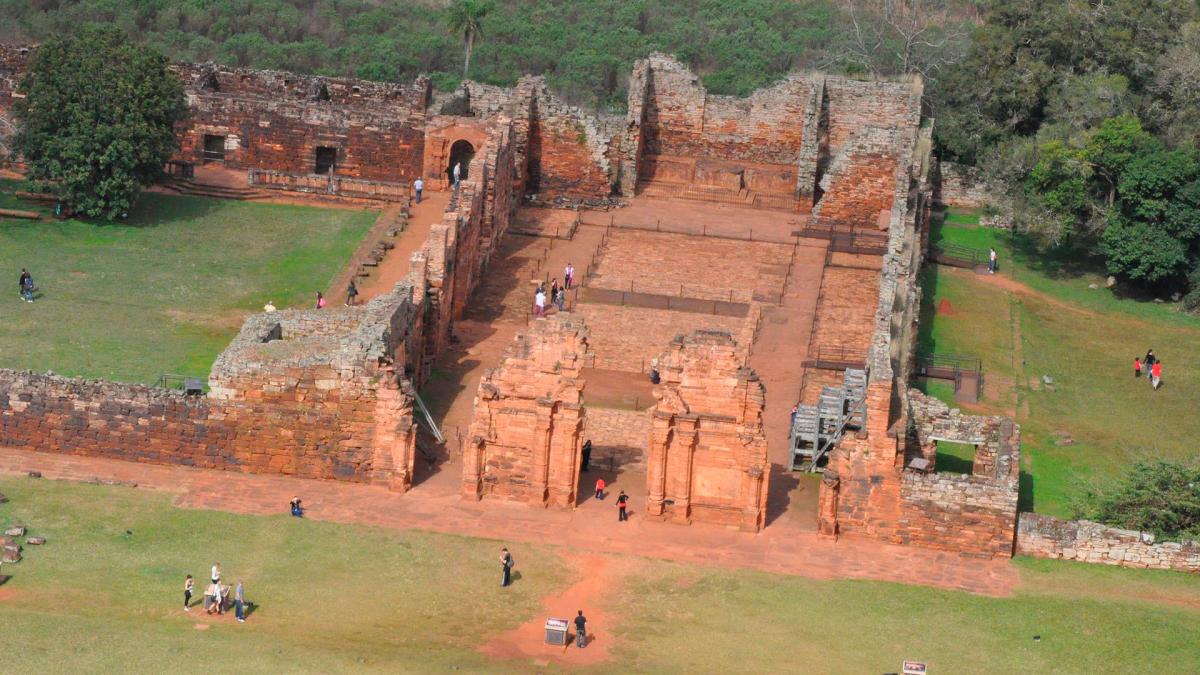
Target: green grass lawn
column 1095, row 418
column 165, row 291
column 332, row 598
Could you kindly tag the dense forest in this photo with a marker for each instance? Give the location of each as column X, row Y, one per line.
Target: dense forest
column 1085, row 114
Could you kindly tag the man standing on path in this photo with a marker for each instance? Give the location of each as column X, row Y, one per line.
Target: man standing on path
column 992, row 261
column 622, row 503
column 351, row 293
column 457, row 174
column 418, row 186
column 580, row 630
column 239, row 602
column 506, row 565
column 568, row 275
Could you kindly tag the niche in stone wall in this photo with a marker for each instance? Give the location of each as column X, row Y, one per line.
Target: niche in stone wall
column 462, row 152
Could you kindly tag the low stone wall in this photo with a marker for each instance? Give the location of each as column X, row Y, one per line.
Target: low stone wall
column 1042, row 536
column 969, row 514
column 337, row 186
column 275, row 433
column 618, row 437
column 962, row 185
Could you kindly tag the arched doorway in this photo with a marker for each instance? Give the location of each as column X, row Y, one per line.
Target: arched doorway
column 462, row 152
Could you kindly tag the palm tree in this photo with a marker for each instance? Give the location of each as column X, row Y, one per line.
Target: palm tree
column 466, row 17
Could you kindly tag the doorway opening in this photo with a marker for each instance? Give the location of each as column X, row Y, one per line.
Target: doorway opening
column 325, row 160
column 214, row 148
column 461, row 153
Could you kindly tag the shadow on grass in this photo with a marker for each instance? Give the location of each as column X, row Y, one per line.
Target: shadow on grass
column 1025, row 492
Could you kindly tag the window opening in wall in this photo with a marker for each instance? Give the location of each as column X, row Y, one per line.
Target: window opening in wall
column 954, row 457
column 325, row 160
column 214, row 148
column 461, row 152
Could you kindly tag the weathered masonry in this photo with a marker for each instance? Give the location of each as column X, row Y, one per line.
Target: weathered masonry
column 330, row 393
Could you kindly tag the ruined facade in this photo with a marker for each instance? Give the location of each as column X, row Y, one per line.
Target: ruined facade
column 525, row 439
column 330, row 394
column 707, row 456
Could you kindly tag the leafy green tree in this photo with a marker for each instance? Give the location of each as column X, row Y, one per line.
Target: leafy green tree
column 1159, row 497
column 97, row 120
column 466, row 17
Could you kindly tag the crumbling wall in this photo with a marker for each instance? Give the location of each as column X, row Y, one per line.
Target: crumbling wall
column 571, row 153
column 854, row 105
column 962, row 185
column 525, row 437
column 13, row 63
column 1044, row 536
column 276, row 121
column 707, row 458
column 859, row 188
column 682, row 118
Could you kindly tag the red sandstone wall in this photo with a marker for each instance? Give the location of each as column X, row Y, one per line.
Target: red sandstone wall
column 570, row 153
column 854, row 105
column 618, row 437
column 307, row 431
column 683, row 119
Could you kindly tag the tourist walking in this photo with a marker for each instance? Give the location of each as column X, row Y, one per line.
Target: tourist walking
column 587, row 454
column 992, row 260
column 599, row 488
column 539, row 302
column 506, row 565
column 320, row 300
column 269, row 307
column 568, row 275
column 418, row 186
column 560, row 298
column 216, row 572
column 1156, row 374
column 622, row 503
column 580, row 630
column 554, row 288
column 1137, row 367
column 239, row 602
column 457, row 174
column 297, row 510
column 351, row 293
column 188, row 585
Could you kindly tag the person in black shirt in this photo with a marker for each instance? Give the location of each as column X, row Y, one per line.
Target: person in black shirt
column 506, row 565
column 581, row 630
column 622, row 502
column 587, row 454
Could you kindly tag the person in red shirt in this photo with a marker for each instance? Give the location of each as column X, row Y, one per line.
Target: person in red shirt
column 1156, row 374
column 1137, row 367
column 599, row 488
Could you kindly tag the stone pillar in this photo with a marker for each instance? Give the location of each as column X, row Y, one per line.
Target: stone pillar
column 827, row 505
column 563, row 460
column 680, row 468
column 472, row 484
column 656, row 462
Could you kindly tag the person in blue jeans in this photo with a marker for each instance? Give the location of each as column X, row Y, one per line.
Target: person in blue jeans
column 506, row 565
column 239, row 602
column 581, row 630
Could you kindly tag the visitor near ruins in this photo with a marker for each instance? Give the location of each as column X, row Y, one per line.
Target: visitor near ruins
column 581, row 636
column 506, row 566
column 418, row 188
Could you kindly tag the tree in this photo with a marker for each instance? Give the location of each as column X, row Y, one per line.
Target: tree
column 1159, row 497
column 889, row 37
column 97, row 121
column 466, row 17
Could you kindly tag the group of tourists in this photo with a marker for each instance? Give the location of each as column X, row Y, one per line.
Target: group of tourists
column 217, row 596
column 1151, row 365
column 557, row 293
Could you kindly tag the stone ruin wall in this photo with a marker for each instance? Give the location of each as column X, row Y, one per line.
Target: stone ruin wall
column 313, row 393
column 866, row 488
column 707, row 454
column 962, row 185
column 275, row 121
column 13, row 62
column 618, row 437
column 1042, row 536
column 526, row 434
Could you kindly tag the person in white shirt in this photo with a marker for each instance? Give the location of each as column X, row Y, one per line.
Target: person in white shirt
column 457, row 174
column 539, row 302
column 269, row 307
column 418, row 185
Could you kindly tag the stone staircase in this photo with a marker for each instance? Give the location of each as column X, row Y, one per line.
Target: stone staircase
column 185, row 187
column 714, row 194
